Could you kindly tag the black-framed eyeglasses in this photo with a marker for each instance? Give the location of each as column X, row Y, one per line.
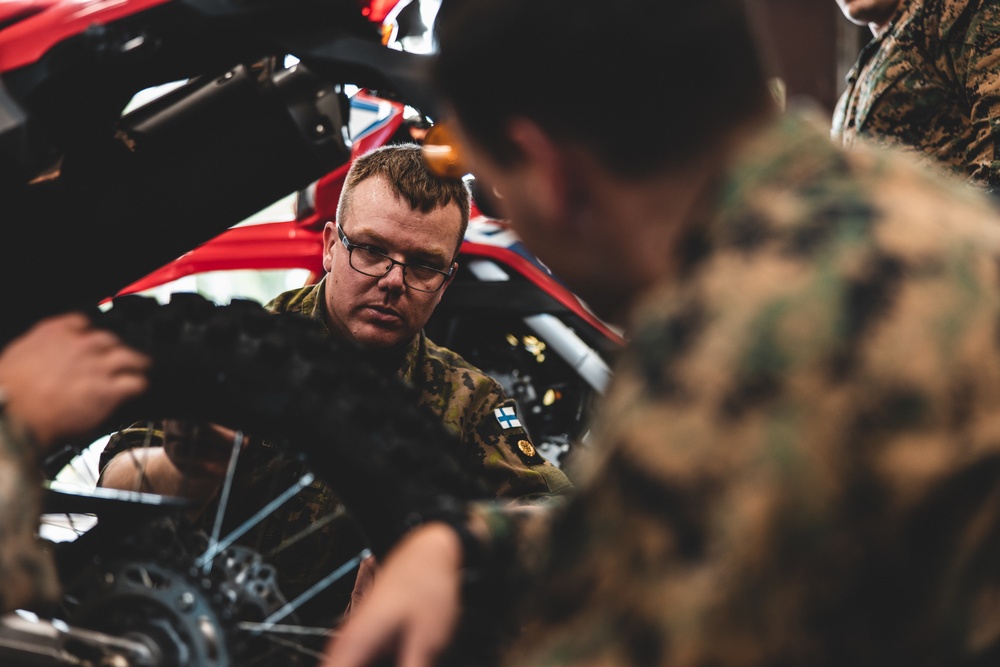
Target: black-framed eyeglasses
column 370, row 262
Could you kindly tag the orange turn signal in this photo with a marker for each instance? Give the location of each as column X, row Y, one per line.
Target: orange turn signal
column 442, row 153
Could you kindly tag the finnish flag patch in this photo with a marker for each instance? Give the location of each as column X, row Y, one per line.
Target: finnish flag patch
column 507, row 418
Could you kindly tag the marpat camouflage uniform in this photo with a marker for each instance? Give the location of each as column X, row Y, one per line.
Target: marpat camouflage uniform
column 27, row 573
column 930, row 81
column 465, row 399
column 798, row 462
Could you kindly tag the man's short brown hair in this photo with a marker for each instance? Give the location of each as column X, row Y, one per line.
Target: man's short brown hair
column 403, row 168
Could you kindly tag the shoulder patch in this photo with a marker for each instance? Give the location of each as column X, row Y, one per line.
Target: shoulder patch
column 507, row 418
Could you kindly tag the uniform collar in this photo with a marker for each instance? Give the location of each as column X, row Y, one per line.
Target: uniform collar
column 400, row 360
column 904, row 7
column 872, row 47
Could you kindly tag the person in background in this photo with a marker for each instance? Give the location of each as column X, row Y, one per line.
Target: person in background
column 389, row 257
column 929, row 81
column 798, row 461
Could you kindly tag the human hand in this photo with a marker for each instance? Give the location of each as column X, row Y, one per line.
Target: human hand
column 412, row 608
column 63, row 377
column 362, row 583
column 199, row 451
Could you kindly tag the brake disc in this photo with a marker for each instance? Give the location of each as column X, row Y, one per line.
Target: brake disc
column 150, row 591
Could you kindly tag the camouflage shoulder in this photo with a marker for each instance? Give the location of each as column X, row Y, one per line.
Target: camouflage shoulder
column 530, row 472
column 958, row 21
column 293, row 301
column 449, row 359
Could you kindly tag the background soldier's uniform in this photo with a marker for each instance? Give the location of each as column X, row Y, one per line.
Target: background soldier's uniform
column 462, row 396
column 798, row 462
column 930, row 81
column 27, row 573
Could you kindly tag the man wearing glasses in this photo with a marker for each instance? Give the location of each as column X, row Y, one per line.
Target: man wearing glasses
column 389, row 258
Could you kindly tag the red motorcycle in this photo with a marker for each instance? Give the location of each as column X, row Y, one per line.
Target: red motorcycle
column 104, row 194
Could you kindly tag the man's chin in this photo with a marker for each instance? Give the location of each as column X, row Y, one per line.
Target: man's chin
column 373, row 337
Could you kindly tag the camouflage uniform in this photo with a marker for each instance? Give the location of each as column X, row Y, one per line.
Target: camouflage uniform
column 930, row 81
column 463, row 397
column 27, row 573
column 466, row 400
column 798, row 462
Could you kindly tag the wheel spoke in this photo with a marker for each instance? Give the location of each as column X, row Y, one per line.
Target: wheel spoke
column 83, row 471
column 304, row 630
column 314, row 590
column 247, row 525
column 69, row 524
column 306, row 532
column 224, row 496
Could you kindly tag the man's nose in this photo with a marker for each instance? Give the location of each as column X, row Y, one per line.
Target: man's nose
column 393, row 279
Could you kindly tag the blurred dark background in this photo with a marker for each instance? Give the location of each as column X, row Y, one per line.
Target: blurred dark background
column 812, row 46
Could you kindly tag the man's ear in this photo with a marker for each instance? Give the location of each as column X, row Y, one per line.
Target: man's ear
column 548, row 172
column 329, row 238
column 448, row 280
column 440, row 293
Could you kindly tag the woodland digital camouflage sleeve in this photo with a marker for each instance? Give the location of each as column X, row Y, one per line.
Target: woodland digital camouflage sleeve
column 27, row 573
column 472, row 405
column 931, row 83
column 976, row 58
column 798, row 462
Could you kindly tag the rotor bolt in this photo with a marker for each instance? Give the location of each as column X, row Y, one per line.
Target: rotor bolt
column 109, row 579
column 185, row 601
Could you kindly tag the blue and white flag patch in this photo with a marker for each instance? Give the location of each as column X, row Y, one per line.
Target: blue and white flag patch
column 507, row 418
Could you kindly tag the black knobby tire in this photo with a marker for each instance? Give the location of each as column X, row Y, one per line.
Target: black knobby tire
column 280, row 377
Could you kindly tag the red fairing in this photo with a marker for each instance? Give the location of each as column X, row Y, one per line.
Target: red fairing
column 544, row 281
column 276, row 245
column 376, row 10
column 298, row 244
column 293, row 244
column 12, row 11
column 40, row 24
column 327, row 190
column 289, row 245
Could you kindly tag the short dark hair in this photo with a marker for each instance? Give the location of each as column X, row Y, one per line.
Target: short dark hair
column 570, row 65
column 403, row 168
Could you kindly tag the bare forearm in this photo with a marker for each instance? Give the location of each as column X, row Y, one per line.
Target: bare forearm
column 150, row 470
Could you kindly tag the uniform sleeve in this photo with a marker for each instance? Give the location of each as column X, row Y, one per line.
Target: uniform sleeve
column 27, row 572
column 512, row 465
column 978, row 66
column 507, row 564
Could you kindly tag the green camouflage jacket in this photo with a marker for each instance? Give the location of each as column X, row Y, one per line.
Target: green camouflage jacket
column 798, row 461
column 471, row 404
column 466, row 400
column 930, row 81
column 27, row 573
